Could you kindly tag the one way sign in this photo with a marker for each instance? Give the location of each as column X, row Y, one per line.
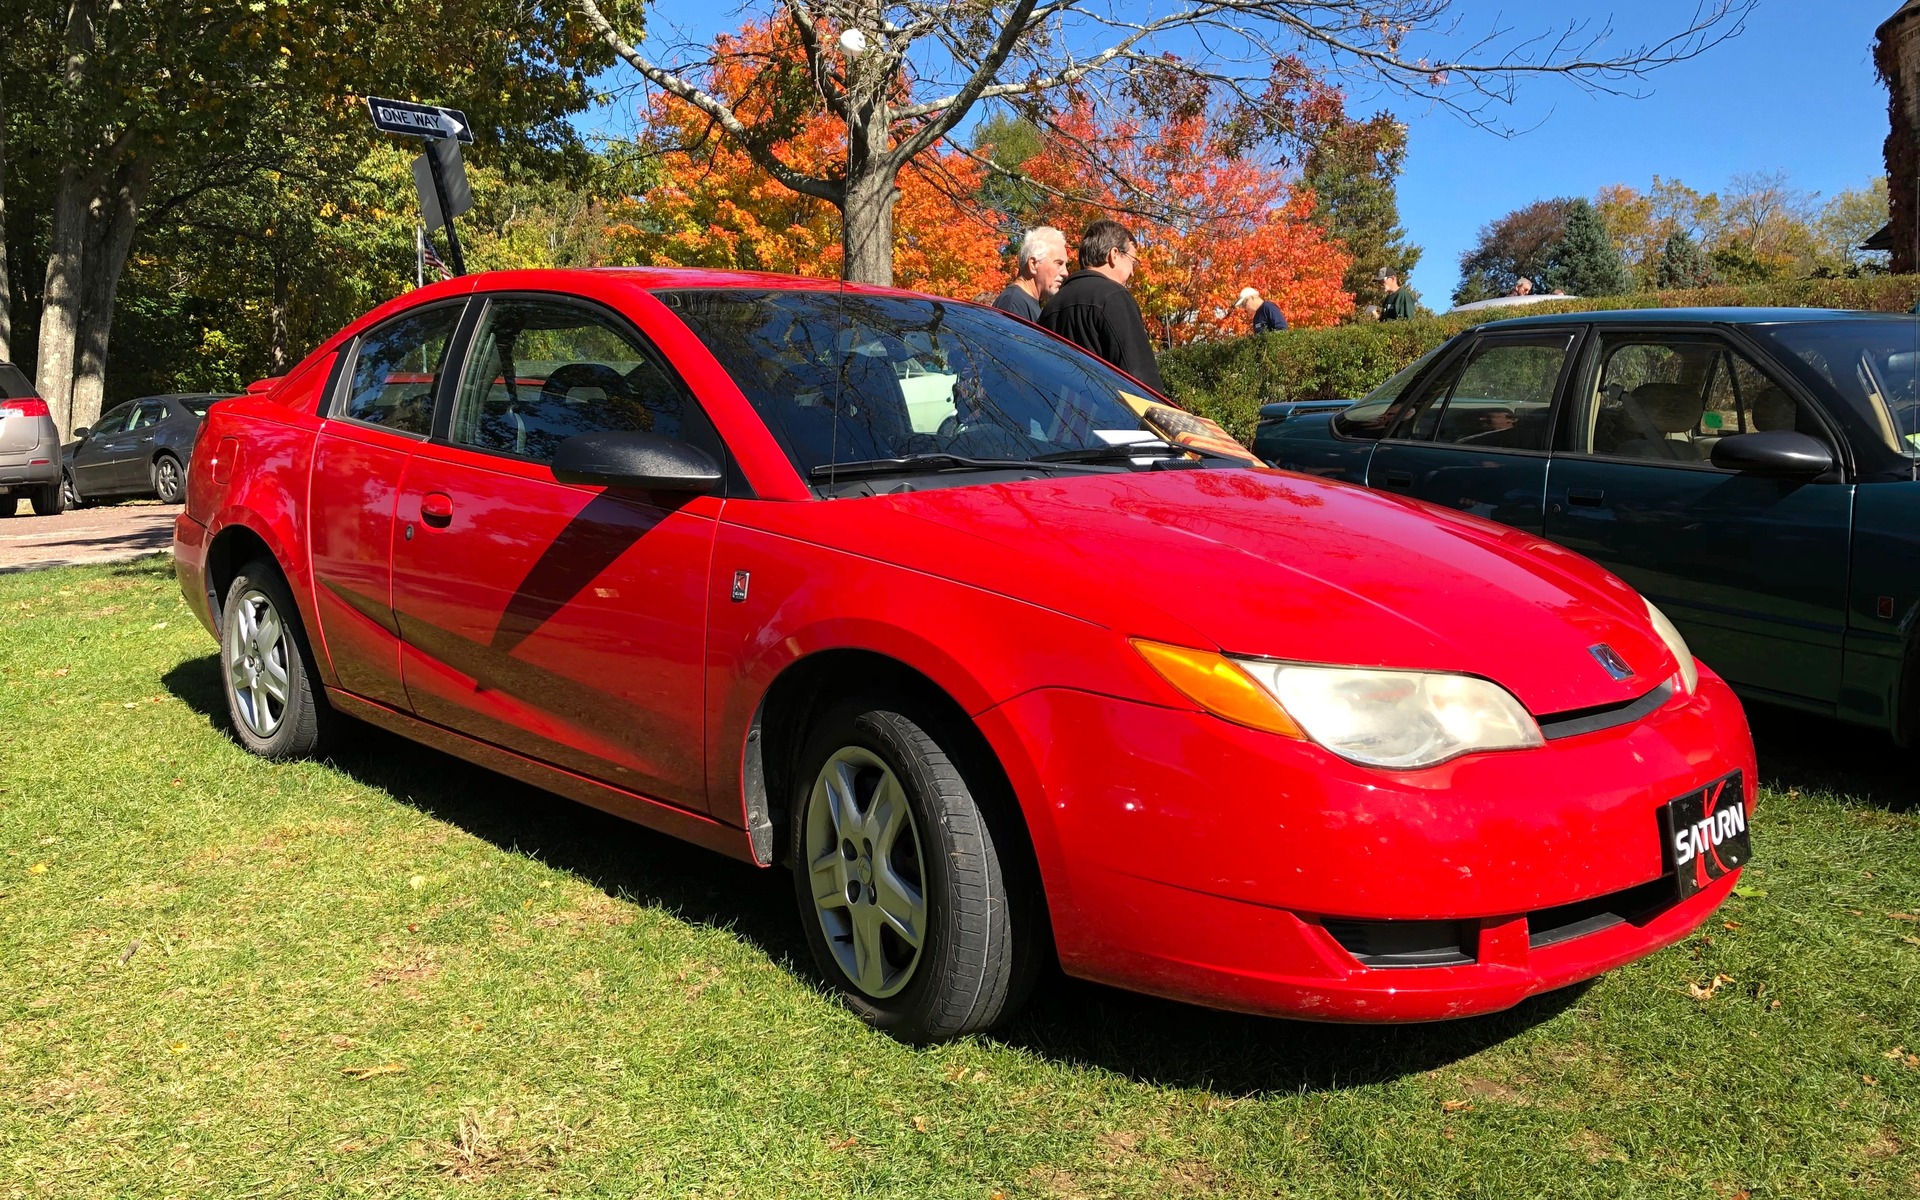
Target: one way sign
column 419, row 120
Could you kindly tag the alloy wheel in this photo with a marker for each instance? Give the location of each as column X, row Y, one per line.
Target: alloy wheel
column 166, row 479
column 256, row 655
column 865, row 872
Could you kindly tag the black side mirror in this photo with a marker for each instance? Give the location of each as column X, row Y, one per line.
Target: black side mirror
column 80, row 434
column 1773, row 452
column 649, row 461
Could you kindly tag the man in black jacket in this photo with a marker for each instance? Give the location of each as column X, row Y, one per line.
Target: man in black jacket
column 1094, row 310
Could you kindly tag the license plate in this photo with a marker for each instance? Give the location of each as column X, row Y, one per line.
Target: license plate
column 1705, row 834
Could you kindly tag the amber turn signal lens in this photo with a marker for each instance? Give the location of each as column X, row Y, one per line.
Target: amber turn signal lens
column 1217, row 684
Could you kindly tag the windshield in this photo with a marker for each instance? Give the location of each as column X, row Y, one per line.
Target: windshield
column 1375, row 413
column 855, row 378
column 1870, row 364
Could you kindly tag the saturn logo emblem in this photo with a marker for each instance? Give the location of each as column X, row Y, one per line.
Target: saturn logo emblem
column 1610, row 658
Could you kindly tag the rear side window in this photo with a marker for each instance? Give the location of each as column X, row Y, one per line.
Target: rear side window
column 396, row 371
column 14, row 384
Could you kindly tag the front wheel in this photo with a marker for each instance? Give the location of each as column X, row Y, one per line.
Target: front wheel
column 909, row 905
column 169, row 479
column 9, row 504
column 274, row 694
column 69, row 494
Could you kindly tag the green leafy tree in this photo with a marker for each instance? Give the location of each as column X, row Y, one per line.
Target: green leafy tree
column 1682, row 264
column 1352, row 170
column 1513, row 247
column 1584, row 262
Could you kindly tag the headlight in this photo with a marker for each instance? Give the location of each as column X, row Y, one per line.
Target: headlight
column 1689, row 670
column 1398, row 719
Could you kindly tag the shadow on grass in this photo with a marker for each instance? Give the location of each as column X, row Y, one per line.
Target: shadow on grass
column 1818, row 754
column 1155, row 1041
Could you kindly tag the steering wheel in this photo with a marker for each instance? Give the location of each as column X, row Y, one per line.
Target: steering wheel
column 990, row 441
column 579, row 375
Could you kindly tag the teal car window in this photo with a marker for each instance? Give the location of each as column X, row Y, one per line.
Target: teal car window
column 1379, row 410
column 1670, row 397
column 1870, row 365
column 1504, row 396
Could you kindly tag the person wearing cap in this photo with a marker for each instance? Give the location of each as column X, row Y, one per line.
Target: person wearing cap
column 1400, row 300
column 1267, row 317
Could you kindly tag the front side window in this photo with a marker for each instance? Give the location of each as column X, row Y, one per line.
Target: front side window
column 1872, row 365
column 1375, row 414
column 114, row 420
column 397, row 369
column 855, row 378
column 541, row 372
column 1671, row 397
column 1499, row 395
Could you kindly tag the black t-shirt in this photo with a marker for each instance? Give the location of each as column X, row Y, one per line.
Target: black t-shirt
column 1099, row 316
column 1016, row 301
column 1269, row 318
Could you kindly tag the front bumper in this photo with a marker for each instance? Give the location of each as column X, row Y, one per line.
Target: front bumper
column 1191, row 858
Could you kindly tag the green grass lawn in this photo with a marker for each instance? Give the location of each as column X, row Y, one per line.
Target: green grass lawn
column 395, row 974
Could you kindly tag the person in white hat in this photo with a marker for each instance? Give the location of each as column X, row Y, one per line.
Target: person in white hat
column 1267, row 317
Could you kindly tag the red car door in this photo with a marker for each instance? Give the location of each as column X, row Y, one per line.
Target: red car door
column 379, row 415
column 562, row 622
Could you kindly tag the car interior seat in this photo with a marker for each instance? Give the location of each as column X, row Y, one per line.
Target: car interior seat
column 1772, row 408
column 1664, row 416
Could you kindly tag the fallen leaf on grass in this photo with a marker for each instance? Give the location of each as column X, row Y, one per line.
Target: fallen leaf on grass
column 1454, row 1106
column 1870, row 1081
column 1744, row 890
column 1904, row 916
column 37, row 869
column 843, row 1143
column 131, row 947
column 919, row 1124
column 62, row 672
column 1700, row 992
column 1899, row 1054
column 371, row 1072
column 1914, row 941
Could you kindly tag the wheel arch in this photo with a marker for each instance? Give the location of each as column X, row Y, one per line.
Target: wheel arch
column 777, row 734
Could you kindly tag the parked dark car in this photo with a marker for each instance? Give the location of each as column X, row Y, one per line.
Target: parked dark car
column 140, row 448
column 28, row 437
column 1751, row 471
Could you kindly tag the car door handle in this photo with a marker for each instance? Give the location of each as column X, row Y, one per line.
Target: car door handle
column 436, row 509
column 1586, row 497
column 145, row 440
column 1397, row 479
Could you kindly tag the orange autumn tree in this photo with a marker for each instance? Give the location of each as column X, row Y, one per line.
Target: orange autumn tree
column 716, row 208
column 1210, row 214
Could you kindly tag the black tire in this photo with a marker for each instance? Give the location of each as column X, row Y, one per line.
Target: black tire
column 9, row 504
column 247, row 669
column 169, row 479
column 982, row 929
column 49, row 500
column 69, row 493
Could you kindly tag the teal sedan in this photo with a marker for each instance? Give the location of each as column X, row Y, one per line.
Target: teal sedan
column 1751, row 471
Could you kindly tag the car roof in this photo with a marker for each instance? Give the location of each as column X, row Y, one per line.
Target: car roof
column 186, row 396
column 1695, row 316
column 670, row 278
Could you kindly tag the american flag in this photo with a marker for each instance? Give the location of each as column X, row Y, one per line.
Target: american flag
column 432, row 260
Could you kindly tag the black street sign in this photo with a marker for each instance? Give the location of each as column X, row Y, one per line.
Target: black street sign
column 442, row 158
column 419, row 120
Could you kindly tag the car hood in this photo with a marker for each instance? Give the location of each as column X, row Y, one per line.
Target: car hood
column 1275, row 564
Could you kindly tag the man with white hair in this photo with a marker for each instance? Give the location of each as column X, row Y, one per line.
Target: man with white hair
column 1267, row 317
column 1043, row 265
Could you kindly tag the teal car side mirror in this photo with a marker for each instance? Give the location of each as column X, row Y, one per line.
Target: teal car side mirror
column 1773, row 452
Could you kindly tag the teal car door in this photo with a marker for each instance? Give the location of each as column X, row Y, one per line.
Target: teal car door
column 1476, row 438
column 1753, row 569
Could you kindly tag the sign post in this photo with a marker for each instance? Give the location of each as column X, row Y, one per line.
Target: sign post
column 439, row 175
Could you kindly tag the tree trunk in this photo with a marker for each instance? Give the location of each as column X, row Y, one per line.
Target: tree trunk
column 6, row 281
column 60, row 300
column 866, row 214
column 278, row 317
column 109, row 236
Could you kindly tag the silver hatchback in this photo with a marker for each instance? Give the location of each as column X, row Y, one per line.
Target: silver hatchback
column 29, row 447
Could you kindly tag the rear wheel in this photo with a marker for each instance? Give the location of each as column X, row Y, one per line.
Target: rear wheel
column 169, row 480
column 274, row 694
column 908, row 904
column 49, row 500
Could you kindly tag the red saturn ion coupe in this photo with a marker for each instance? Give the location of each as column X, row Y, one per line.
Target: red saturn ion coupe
column 905, row 594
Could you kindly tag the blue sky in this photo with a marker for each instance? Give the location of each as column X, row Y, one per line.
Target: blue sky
column 1795, row 92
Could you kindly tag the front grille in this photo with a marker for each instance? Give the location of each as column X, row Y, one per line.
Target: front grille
column 1392, row 944
column 1554, row 726
column 1407, row 943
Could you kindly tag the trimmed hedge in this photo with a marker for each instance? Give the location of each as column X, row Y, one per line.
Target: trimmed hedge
column 1230, row 380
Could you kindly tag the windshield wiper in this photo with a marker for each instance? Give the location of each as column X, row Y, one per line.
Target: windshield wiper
column 913, row 464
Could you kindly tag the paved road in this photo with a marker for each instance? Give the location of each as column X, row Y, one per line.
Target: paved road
column 110, row 533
